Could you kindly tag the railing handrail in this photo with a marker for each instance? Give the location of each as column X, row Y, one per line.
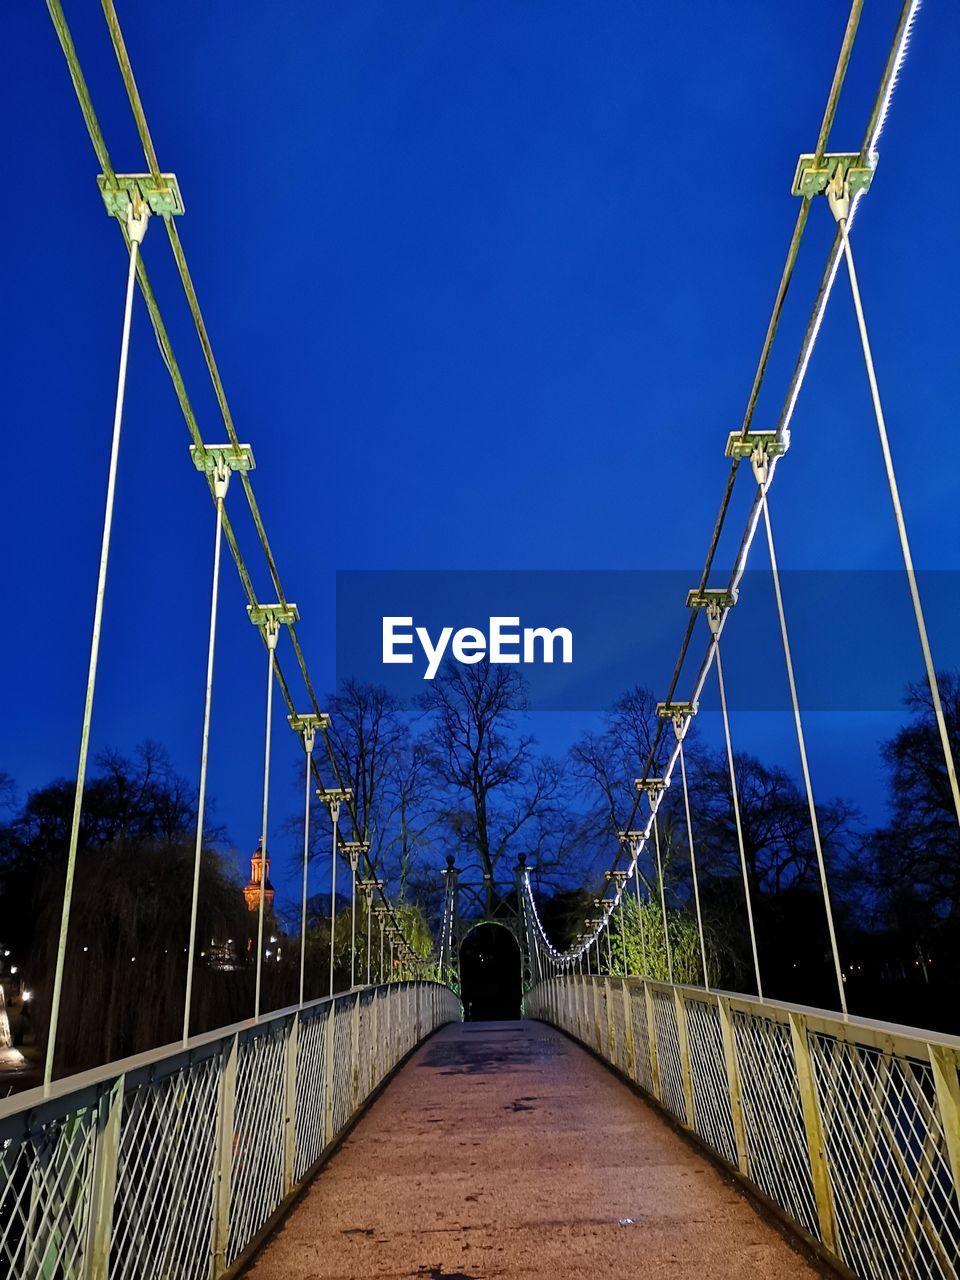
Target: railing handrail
column 738, row 999
column 67, row 1086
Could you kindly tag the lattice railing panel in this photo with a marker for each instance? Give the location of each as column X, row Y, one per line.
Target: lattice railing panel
column 641, row 1040
column 256, row 1182
column 773, row 1116
column 713, row 1119
column 668, row 1054
column 163, row 1207
column 197, row 1146
column 894, row 1200
column 310, row 1115
column 852, row 1128
column 45, row 1180
column 342, row 1067
column 615, row 1013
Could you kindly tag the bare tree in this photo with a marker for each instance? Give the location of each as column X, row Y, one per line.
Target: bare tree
column 378, row 758
column 499, row 794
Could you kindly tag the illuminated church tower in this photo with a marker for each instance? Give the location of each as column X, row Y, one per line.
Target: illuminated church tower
column 251, row 890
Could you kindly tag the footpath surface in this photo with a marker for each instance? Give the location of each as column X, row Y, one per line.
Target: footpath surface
column 502, row 1149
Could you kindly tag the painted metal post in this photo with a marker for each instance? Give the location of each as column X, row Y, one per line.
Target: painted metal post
column 223, row 1166
column 686, row 1070
column 733, row 1082
column 611, row 1027
column 813, row 1129
column 355, row 1016
column 944, row 1062
column 652, row 1041
column 290, row 1104
column 374, row 1040
column 328, row 1073
column 628, row 1030
column 106, row 1155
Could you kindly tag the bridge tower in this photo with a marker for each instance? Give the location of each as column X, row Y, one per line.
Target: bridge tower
column 466, row 909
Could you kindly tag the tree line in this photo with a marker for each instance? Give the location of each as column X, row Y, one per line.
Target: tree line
column 462, row 775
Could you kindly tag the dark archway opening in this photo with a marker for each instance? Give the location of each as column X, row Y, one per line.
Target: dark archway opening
column 490, row 979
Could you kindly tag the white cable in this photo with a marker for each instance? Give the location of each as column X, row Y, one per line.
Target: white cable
column 136, row 228
column 221, row 482
column 308, row 741
column 353, row 921
column 736, row 814
column 901, row 523
column 801, row 743
column 693, row 864
column 663, row 900
column 271, row 634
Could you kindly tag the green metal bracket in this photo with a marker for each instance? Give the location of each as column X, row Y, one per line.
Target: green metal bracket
column 670, row 710
column 711, row 598
column 812, row 179
column 353, row 849
column 651, row 786
column 308, row 723
column 209, row 458
column 272, row 615
column 126, row 189
column 335, row 795
column 740, row 447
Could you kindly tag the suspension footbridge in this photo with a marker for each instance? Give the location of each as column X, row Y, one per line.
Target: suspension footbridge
column 182, row 1162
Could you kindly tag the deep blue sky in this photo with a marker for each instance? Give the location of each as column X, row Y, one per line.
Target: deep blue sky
column 487, row 284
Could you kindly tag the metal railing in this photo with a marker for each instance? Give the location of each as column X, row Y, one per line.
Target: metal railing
column 851, row 1128
column 170, row 1165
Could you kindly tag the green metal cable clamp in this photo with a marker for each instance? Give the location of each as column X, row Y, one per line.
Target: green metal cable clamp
column 812, row 177
column 212, row 458
column 126, row 190
column 741, row 446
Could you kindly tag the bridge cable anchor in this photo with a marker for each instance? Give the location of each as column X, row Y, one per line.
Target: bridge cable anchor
column 219, row 461
column 653, row 789
column 715, row 602
column 679, row 714
column 307, row 726
column 270, row 617
column 839, row 169
column 761, row 447
column 333, row 797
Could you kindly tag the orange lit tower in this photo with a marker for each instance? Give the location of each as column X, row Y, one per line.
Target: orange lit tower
column 258, row 872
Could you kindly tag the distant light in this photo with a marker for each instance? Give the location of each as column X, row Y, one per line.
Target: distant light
column 132, row 958
column 269, row 953
column 273, row 937
column 86, row 948
column 5, row 954
column 13, row 968
column 27, row 995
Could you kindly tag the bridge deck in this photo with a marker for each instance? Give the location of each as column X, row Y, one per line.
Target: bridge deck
column 503, row 1149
